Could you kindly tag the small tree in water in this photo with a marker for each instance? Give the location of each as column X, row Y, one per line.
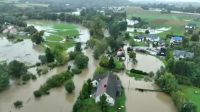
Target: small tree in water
column 111, row 62
column 103, row 103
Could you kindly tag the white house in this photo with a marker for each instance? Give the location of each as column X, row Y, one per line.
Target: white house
column 108, row 85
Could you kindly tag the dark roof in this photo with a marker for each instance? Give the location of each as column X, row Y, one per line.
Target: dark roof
column 109, row 84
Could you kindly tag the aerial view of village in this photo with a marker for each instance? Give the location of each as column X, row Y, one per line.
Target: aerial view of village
column 99, row 55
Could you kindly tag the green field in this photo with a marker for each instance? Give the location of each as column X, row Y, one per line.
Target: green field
column 191, row 95
column 60, row 34
column 155, row 19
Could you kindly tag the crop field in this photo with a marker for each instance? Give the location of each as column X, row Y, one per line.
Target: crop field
column 155, row 19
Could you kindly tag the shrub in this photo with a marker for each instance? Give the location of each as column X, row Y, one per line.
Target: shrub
column 138, row 72
column 18, row 104
column 26, row 77
column 76, row 71
column 37, row 93
column 81, row 61
column 104, row 62
column 69, row 86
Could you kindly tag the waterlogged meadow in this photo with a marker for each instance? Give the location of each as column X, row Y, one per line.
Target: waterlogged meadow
column 57, row 33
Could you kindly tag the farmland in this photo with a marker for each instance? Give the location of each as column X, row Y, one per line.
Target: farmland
column 158, row 20
column 56, row 33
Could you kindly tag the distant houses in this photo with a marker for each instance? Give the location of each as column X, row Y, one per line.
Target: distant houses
column 176, row 40
column 148, row 37
column 191, row 26
column 181, row 54
column 109, row 85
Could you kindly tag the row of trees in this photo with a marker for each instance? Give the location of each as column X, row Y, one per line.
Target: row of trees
column 15, row 70
column 169, row 84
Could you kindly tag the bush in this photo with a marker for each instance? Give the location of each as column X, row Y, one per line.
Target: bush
column 26, row 77
column 33, row 77
column 69, row 86
column 55, row 81
column 18, row 104
column 37, row 93
column 72, row 55
column 138, row 72
column 76, row 71
column 100, row 70
column 104, row 62
column 81, row 61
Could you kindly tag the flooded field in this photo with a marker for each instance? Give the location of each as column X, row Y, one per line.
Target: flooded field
column 60, row 101
column 24, row 51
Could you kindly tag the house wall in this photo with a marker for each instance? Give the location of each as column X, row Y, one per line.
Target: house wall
column 109, row 99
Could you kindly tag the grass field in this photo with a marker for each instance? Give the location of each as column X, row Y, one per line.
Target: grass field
column 190, row 94
column 155, row 19
column 57, row 32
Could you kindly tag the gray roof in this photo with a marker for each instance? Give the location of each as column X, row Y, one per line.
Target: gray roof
column 183, row 54
column 109, row 84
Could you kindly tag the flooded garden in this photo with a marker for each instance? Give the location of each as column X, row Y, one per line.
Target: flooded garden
column 60, row 101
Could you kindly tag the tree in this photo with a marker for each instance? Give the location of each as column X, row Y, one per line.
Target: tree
column 195, row 37
column 18, row 104
column 4, row 77
column 103, row 103
column 147, row 32
column 132, row 55
column 49, row 55
column 97, row 28
column 186, row 42
column 30, row 29
column 114, row 29
column 168, row 83
column 16, row 69
column 81, row 61
column 69, row 86
column 100, row 48
column 189, row 107
column 104, row 62
column 78, row 47
column 111, row 63
column 37, row 37
column 60, row 55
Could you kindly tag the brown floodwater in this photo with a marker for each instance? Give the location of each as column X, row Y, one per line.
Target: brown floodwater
column 24, row 51
column 145, row 101
column 60, row 101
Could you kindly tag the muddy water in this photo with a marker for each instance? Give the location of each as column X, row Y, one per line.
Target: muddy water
column 60, row 101
column 147, row 101
column 24, row 51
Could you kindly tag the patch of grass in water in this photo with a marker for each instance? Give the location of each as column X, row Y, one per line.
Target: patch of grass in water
column 54, row 38
column 65, row 45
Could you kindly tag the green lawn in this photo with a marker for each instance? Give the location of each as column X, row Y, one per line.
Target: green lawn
column 190, row 94
column 136, row 76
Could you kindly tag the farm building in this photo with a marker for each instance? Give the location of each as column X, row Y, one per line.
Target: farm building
column 108, row 85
